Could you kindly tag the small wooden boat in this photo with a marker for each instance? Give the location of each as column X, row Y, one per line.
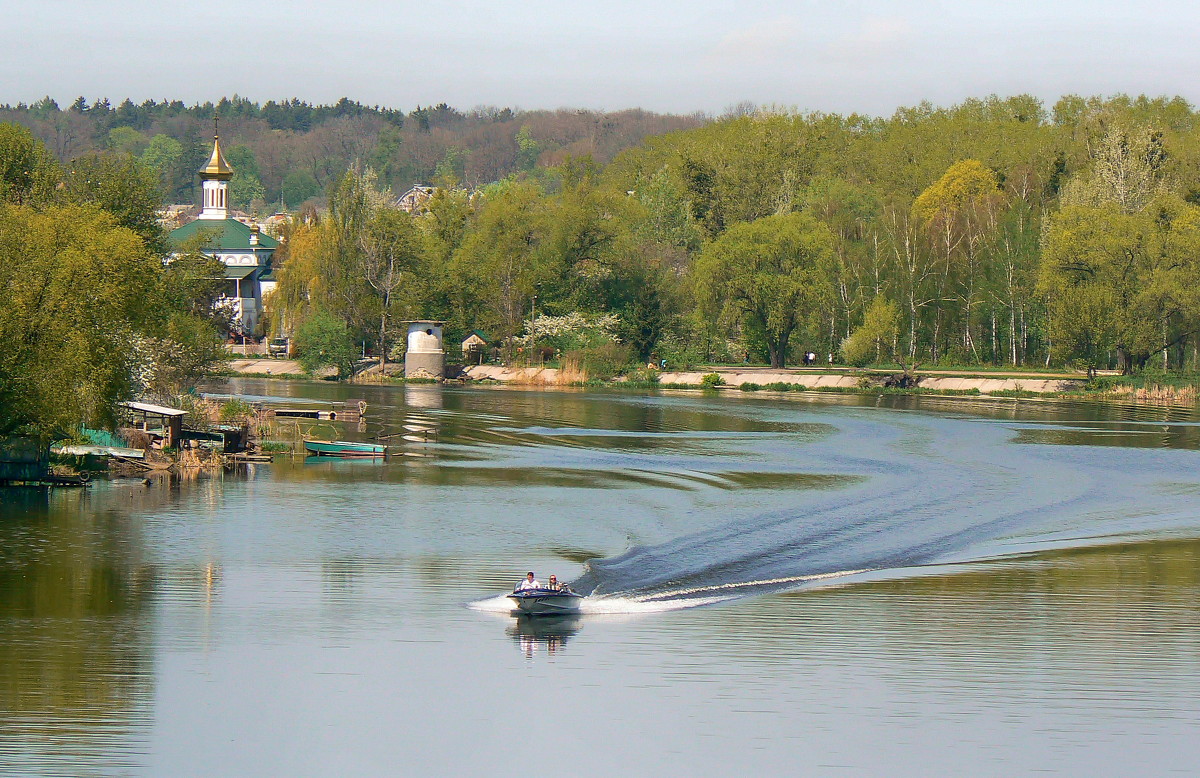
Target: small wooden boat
column 344, row 448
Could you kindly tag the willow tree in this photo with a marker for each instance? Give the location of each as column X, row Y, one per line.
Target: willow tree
column 1123, row 282
column 77, row 292
column 772, row 275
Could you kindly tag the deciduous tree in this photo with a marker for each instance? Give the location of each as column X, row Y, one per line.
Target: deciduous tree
column 772, row 274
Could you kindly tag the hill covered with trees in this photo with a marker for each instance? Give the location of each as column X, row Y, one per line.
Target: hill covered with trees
column 289, row 151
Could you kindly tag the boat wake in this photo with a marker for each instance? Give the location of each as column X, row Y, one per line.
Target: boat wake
column 921, row 491
column 884, row 493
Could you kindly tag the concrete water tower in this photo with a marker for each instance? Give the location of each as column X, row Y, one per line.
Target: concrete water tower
column 425, row 357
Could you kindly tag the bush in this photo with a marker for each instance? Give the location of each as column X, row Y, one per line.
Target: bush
column 712, row 380
column 235, row 410
column 1102, row 383
column 642, row 376
column 323, row 340
column 603, row 362
column 750, row 387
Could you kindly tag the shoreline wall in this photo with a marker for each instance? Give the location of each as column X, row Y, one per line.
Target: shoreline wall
column 535, row 376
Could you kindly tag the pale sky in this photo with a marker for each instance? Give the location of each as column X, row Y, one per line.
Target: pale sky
column 703, row 55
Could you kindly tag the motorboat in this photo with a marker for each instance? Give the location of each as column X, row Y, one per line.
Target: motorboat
column 546, row 602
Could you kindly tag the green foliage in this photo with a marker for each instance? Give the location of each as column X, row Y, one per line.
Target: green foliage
column 28, row 172
column 122, row 186
column 772, row 274
column 875, row 336
column 89, row 311
column 527, row 149
column 1121, row 282
column 359, row 264
column 712, row 380
column 325, row 341
column 749, row 386
column 126, row 140
column 246, row 185
column 163, row 155
column 75, row 290
column 235, row 410
column 991, row 231
column 299, row 186
column 642, row 376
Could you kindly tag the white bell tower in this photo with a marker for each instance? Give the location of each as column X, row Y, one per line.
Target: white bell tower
column 214, row 183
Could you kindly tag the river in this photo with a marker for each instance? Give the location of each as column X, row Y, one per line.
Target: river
column 778, row 584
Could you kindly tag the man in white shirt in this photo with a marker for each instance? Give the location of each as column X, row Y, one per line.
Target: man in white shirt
column 529, row 583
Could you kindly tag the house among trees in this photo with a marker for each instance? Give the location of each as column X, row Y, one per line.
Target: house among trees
column 474, row 347
column 414, row 199
column 245, row 250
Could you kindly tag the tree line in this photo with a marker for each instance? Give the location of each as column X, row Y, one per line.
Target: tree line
column 994, row 232
column 289, row 152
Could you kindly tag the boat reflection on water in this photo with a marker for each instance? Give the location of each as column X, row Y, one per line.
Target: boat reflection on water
column 550, row 633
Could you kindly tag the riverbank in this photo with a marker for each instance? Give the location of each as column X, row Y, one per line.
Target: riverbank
column 1108, row 386
column 801, row 379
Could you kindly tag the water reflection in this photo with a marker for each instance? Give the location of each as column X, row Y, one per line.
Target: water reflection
column 534, row 634
column 76, row 647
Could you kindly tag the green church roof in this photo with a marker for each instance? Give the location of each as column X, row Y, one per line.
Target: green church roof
column 227, row 235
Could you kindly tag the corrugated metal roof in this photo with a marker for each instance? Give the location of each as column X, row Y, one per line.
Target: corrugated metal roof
column 158, row 409
column 239, row 271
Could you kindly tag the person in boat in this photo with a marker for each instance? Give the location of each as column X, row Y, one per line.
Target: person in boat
column 529, row 583
column 558, row 587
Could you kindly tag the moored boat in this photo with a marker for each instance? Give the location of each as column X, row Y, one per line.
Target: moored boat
column 544, row 602
column 344, row 448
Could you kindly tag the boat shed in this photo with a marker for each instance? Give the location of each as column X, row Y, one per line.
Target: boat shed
column 166, row 423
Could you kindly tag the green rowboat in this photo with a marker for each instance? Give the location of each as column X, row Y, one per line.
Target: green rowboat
column 344, row 448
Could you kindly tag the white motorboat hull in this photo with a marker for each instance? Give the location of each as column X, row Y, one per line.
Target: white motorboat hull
column 544, row 602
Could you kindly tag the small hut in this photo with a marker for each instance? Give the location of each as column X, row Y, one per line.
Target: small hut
column 474, row 347
column 160, row 422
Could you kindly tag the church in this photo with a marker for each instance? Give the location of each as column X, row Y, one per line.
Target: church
column 246, row 252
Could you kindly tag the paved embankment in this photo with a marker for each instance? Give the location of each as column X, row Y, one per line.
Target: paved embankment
column 266, row 366
column 813, row 380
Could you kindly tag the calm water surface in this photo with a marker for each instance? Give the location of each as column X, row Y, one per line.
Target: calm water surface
column 798, row 584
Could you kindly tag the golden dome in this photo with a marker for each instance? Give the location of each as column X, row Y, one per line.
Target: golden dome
column 217, row 167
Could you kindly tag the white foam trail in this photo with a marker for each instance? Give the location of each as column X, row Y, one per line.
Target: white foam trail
column 747, row 584
column 661, row 602
column 618, row 605
column 498, row 604
column 611, row 605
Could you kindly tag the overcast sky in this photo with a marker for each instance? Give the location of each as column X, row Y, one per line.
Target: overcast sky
column 834, row 55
